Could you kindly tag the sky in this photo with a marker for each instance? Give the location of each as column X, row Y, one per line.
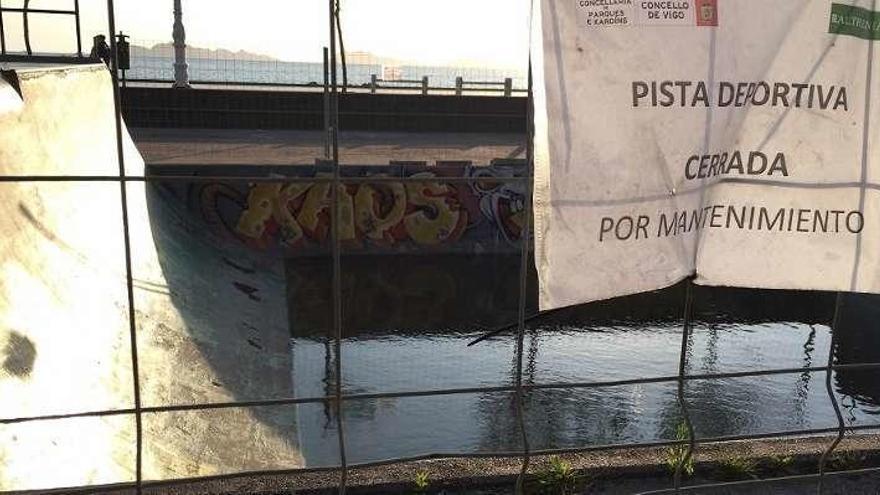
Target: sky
column 491, row 33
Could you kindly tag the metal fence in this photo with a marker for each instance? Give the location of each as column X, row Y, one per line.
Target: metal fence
column 337, row 397
column 152, row 63
column 24, row 11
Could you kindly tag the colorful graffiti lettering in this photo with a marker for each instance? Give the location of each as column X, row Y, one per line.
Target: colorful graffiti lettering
column 429, row 213
column 426, row 213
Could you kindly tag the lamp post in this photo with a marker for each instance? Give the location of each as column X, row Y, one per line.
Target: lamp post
column 181, row 75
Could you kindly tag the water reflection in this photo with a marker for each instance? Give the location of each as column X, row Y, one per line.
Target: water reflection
column 408, row 319
column 561, row 418
column 858, row 342
column 735, row 330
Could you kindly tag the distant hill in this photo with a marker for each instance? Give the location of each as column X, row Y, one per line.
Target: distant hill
column 367, row 58
column 167, row 49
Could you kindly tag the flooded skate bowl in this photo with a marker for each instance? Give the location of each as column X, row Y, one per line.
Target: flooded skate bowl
column 231, row 270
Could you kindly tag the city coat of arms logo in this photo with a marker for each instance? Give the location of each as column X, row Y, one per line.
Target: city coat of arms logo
column 707, row 12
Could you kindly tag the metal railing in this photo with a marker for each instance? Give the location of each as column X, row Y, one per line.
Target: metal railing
column 152, row 63
column 422, row 85
column 25, row 11
column 339, row 397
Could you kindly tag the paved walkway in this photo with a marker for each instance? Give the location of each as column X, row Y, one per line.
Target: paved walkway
column 256, row 147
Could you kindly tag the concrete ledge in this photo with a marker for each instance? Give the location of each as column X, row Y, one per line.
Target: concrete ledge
column 248, row 109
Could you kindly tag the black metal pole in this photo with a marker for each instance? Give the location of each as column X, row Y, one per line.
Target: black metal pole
column 341, row 47
column 79, row 50
column 334, row 239
column 2, row 32
column 120, row 153
column 27, row 29
column 525, row 239
column 326, row 104
column 841, row 425
column 682, row 370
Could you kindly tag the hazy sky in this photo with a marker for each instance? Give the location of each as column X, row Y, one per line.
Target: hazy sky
column 485, row 32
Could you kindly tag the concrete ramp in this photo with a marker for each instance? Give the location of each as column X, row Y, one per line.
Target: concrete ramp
column 64, row 326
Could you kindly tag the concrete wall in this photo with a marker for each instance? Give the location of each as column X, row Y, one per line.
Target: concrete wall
column 251, row 109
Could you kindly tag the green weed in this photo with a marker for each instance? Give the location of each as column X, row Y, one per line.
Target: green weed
column 676, row 454
column 738, row 468
column 422, row 482
column 779, row 463
column 558, row 478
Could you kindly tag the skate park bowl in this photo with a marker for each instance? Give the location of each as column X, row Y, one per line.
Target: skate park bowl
column 227, row 264
column 65, row 346
column 231, row 275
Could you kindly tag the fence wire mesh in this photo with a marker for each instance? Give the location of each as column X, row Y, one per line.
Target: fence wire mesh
column 521, row 386
column 152, row 64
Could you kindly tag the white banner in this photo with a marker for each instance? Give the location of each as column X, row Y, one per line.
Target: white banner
column 731, row 139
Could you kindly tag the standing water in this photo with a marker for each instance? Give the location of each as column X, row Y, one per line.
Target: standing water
column 556, row 418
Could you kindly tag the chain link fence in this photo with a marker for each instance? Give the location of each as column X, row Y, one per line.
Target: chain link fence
column 153, row 63
column 529, row 407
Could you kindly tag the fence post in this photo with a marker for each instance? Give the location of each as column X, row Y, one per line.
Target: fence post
column 425, row 85
column 508, row 87
column 841, row 425
column 79, row 50
column 335, row 247
column 459, row 85
column 326, row 103
column 373, row 83
column 2, row 32
column 27, row 29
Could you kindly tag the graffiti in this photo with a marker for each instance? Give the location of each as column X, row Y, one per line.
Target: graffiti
column 503, row 203
column 433, row 213
column 426, row 213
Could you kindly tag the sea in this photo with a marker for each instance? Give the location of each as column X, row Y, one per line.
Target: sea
column 225, row 71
